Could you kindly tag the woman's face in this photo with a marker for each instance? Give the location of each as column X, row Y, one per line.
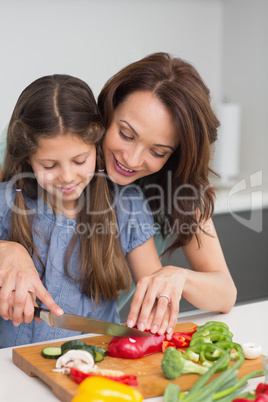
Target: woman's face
column 140, row 139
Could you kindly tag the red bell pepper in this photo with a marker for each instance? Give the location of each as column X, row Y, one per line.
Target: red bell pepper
column 261, row 393
column 182, row 339
column 135, row 348
column 261, row 388
column 78, row 376
column 262, row 398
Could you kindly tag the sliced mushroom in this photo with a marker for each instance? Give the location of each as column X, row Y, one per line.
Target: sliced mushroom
column 74, row 358
column 251, row 350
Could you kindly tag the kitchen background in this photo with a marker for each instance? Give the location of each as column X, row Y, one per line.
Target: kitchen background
column 226, row 40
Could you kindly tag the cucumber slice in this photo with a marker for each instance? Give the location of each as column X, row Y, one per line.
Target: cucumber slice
column 51, row 352
column 100, row 353
column 97, row 352
column 71, row 345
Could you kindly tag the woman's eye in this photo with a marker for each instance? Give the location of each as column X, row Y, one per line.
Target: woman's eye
column 80, row 163
column 158, row 155
column 125, row 136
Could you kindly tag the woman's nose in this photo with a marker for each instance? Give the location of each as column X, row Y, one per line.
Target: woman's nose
column 134, row 158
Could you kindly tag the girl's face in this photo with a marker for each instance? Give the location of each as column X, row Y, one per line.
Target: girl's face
column 63, row 166
column 140, row 139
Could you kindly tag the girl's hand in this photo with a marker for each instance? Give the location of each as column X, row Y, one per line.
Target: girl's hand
column 20, row 285
column 155, row 304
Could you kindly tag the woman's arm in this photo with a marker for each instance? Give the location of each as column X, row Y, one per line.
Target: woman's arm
column 20, row 285
column 208, row 286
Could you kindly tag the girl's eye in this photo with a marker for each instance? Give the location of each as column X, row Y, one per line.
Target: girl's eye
column 49, row 167
column 158, row 155
column 125, row 136
column 80, row 163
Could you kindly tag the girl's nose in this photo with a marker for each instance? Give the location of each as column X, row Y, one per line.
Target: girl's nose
column 67, row 175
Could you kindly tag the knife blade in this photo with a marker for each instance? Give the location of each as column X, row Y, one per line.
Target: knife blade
column 88, row 325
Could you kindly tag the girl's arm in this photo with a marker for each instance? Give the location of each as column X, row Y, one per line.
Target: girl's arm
column 208, row 286
column 20, row 285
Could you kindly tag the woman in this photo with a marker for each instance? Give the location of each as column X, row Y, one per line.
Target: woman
column 160, row 126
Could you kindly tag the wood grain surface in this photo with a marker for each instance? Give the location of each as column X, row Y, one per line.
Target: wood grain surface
column 148, row 369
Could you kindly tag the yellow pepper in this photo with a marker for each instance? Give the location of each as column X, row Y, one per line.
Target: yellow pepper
column 99, row 389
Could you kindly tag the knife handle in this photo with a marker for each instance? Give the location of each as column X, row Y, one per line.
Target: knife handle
column 37, row 312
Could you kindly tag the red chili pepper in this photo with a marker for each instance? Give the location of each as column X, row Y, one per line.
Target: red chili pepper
column 182, row 339
column 78, row 376
column 135, row 348
column 167, row 344
column 261, row 388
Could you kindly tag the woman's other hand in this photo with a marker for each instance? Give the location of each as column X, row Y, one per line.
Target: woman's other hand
column 156, row 302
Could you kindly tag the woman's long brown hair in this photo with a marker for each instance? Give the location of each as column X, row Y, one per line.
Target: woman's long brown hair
column 178, row 85
column 53, row 105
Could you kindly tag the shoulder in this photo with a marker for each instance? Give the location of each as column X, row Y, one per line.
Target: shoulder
column 130, row 200
column 7, row 193
column 135, row 222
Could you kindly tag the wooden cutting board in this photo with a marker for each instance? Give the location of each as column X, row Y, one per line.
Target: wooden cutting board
column 148, row 369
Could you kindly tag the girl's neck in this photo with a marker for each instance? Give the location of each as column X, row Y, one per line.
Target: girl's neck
column 58, row 207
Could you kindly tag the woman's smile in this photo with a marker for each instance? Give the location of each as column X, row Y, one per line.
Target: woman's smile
column 123, row 169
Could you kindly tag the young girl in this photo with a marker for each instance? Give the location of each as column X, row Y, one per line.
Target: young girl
column 54, row 205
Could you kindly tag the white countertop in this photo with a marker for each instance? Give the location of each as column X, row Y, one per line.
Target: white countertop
column 248, row 323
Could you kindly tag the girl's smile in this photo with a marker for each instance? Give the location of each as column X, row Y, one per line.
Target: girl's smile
column 63, row 166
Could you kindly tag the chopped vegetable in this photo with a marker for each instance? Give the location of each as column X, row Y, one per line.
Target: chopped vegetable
column 173, row 364
column 78, row 376
column 51, row 352
column 81, row 359
column 172, row 392
column 76, row 344
column 135, row 348
column 96, row 388
column 97, row 352
column 251, row 350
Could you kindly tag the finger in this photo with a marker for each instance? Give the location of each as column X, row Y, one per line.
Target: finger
column 29, row 308
column 136, row 303
column 148, row 305
column 151, row 317
column 173, row 317
column 22, row 298
column 165, row 322
column 43, row 295
column 160, row 313
column 5, row 293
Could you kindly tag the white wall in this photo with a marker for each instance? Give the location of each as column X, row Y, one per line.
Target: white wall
column 92, row 39
column 245, row 77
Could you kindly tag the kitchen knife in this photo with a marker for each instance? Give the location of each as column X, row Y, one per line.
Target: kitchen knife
column 84, row 324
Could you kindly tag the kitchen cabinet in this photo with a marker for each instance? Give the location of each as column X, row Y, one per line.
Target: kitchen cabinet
column 246, row 254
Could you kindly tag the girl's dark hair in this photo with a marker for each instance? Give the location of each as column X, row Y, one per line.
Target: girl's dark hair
column 179, row 87
column 59, row 105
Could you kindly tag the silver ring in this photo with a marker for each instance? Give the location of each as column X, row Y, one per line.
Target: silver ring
column 158, row 297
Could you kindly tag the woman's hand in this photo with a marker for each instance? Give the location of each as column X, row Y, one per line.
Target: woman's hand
column 20, row 285
column 155, row 304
